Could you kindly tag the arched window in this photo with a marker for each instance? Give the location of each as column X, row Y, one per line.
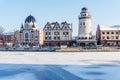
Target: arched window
column 26, row 37
column 65, row 27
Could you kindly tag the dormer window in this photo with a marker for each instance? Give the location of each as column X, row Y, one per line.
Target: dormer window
column 83, row 23
column 56, row 28
column 48, row 28
column 65, row 27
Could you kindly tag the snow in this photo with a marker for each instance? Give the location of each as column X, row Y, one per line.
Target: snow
column 115, row 27
column 62, row 58
column 49, row 65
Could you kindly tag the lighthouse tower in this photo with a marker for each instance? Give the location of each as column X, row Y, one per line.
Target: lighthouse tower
column 84, row 31
column 85, row 37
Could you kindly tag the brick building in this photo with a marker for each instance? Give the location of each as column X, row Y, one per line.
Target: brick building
column 108, row 35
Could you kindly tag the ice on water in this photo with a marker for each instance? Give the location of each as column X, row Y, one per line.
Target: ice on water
column 21, row 76
column 59, row 72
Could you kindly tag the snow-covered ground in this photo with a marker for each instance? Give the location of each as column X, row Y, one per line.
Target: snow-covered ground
column 73, row 58
column 59, row 66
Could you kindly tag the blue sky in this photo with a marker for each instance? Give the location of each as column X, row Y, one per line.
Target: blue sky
column 14, row 12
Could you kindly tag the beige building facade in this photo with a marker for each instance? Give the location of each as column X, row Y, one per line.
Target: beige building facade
column 56, row 34
column 108, row 35
column 28, row 33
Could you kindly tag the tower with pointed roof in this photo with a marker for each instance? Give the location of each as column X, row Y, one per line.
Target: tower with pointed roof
column 84, row 24
column 85, row 36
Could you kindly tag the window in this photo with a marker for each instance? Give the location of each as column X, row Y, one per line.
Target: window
column 47, row 28
column 112, row 32
column 58, row 33
column 32, row 35
column 116, row 32
column 54, row 38
column 36, row 36
column 112, row 44
column 112, row 37
column 107, row 37
column 90, row 37
column 65, row 27
column 45, row 38
column 117, row 42
column 83, row 23
column 26, row 37
column 49, row 38
column 82, row 37
column 56, row 28
column 67, row 33
column 58, row 38
column 103, row 32
column 46, row 33
column 49, row 33
column 116, row 37
column 107, row 32
column 108, row 44
column 103, row 37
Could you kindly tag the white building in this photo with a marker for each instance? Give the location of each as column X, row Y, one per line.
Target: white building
column 28, row 33
column 84, row 28
column 56, row 34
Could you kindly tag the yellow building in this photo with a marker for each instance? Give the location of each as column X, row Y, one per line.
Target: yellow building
column 41, row 37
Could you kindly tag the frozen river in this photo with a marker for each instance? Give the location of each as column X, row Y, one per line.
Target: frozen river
column 58, row 72
column 59, row 66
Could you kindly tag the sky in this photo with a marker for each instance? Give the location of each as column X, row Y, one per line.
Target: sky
column 14, row 12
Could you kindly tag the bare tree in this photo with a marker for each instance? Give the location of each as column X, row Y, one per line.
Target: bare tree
column 2, row 30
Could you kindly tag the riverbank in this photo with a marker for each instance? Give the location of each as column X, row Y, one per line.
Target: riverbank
column 49, row 49
column 87, row 50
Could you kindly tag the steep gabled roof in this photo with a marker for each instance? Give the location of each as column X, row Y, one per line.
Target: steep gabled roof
column 65, row 24
column 56, row 24
column 47, row 25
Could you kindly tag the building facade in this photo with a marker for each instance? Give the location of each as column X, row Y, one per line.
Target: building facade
column 56, row 34
column 7, row 39
column 28, row 33
column 108, row 36
column 85, row 36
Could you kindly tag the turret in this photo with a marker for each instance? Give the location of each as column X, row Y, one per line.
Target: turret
column 84, row 31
